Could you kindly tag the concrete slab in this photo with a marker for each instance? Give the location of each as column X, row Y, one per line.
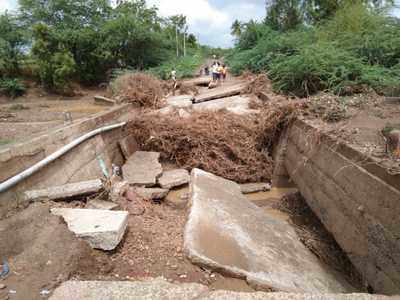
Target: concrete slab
column 173, row 178
column 237, row 104
column 227, row 232
column 181, row 101
column 142, row 168
column 248, row 188
column 154, row 289
column 151, row 193
column 160, row 289
column 128, row 146
column 102, row 229
column 101, row 204
column 65, row 191
column 220, row 92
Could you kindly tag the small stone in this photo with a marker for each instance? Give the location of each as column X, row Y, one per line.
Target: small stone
column 248, row 188
column 183, row 276
column 101, row 204
column 151, row 193
column 177, row 198
column 2, row 286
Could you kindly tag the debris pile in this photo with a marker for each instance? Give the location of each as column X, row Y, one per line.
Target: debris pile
column 225, row 144
column 140, row 88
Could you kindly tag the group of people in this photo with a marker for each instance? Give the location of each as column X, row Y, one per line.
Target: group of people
column 218, row 71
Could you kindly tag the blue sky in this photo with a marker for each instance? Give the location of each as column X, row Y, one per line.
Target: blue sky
column 210, row 20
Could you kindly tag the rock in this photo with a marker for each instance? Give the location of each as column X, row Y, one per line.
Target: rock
column 237, row 104
column 102, row 229
column 2, row 286
column 161, row 289
column 65, row 191
column 227, row 232
column 142, row 168
column 118, row 189
column 101, row 204
column 128, row 146
column 151, row 193
column 178, row 198
column 155, row 289
column 248, row 188
column 181, row 101
column 173, row 178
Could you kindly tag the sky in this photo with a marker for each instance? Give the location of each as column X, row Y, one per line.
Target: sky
column 209, row 20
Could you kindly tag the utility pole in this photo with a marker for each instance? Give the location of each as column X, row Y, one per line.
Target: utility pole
column 177, row 42
column 184, row 44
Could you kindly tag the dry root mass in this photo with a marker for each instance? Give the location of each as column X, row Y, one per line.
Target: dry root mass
column 222, row 143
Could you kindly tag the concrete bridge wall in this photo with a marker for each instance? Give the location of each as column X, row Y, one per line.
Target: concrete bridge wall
column 81, row 163
column 355, row 198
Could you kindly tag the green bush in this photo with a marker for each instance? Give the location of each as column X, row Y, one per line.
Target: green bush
column 358, row 48
column 185, row 67
column 12, row 87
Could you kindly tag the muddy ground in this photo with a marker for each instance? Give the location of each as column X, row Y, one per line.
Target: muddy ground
column 37, row 112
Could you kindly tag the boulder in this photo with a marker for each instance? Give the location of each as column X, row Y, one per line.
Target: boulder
column 142, row 168
column 102, row 229
column 227, row 232
column 173, row 178
column 249, row 188
column 151, row 193
column 101, row 204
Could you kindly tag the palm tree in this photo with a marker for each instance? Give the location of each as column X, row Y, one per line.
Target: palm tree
column 236, row 28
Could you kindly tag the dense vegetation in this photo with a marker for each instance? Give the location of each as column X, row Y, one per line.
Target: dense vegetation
column 56, row 42
column 310, row 46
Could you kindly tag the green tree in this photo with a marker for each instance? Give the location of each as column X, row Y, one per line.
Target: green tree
column 236, row 28
column 12, row 41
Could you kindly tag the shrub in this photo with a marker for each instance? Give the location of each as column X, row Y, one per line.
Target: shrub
column 12, row 87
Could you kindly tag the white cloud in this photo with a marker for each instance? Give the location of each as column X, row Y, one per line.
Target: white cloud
column 6, row 5
column 212, row 24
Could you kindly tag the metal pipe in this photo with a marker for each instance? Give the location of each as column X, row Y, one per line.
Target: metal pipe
column 5, row 185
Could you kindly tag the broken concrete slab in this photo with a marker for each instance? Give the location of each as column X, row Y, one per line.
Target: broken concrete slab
column 102, row 229
column 228, row 295
column 101, row 204
column 104, row 101
column 173, row 178
column 128, row 146
column 227, row 232
column 65, row 191
column 161, row 289
column 221, row 92
column 142, row 168
column 151, row 193
column 181, row 101
column 237, row 104
column 156, row 289
column 199, row 81
column 248, row 188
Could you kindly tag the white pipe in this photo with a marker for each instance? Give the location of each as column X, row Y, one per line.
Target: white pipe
column 36, row 167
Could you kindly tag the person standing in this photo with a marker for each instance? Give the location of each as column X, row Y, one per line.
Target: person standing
column 175, row 82
column 214, row 69
column 224, row 72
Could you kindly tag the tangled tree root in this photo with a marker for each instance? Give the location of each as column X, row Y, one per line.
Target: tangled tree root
column 140, row 88
column 231, row 146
